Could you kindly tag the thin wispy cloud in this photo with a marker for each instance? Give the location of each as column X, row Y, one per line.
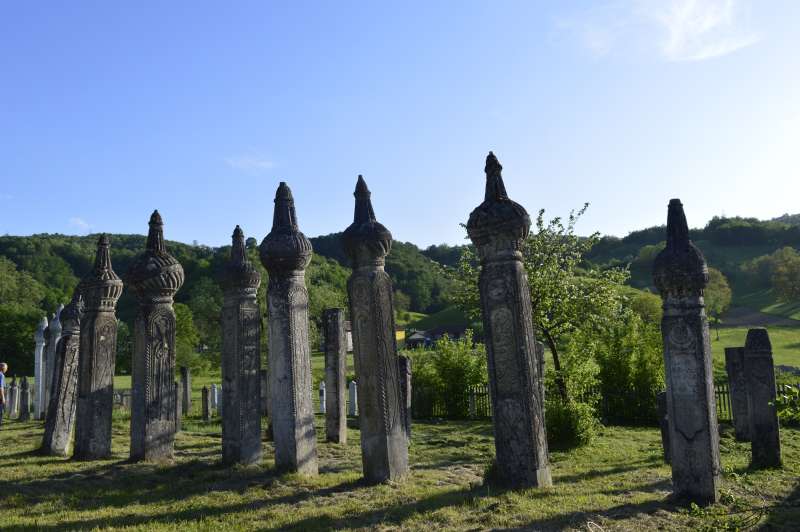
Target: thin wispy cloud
column 676, row 30
column 250, row 163
column 79, row 223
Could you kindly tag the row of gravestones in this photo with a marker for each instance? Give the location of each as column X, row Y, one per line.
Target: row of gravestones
column 498, row 228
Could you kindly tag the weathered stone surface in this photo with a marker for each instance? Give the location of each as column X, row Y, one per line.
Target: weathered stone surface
column 663, row 423
column 40, row 386
column 285, row 253
column 98, row 352
column 214, row 396
column 680, row 274
column 39, row 367
column 155, row 276
column 498, row 227
column 178, row 406
column 322, row 397
column 13, row 399
column 240, row 405
column 335, row 375
column 737, row 385
column 264, row 380
column 384, row 447
column 24, row 400
column 186, row 390
column 61, row 412
column 205, row 395
column 404, row 368
column 764, row 429
column 54, row 330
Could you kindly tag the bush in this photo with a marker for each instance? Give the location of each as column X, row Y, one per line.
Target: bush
column 788, row 405
column 570, row 424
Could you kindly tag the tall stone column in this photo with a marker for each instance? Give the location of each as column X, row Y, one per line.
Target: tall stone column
column 681, row 275
column 663, row 423
column 498, row 227
column 764, row 429
column 381, row 410
column 24, row 400
column 335, row 375
column 50, row 356
column 241, row 358
column 154, row 276
column 352, row 405
column 40, row 388
column 61, row 412
column 97, row 356
column 285, row 253
column 13, row 399
column 737, row 385
column 405, row 389
column 178, row 401
column 39, row 367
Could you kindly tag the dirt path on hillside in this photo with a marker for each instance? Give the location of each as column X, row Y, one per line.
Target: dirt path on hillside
column 745, row 317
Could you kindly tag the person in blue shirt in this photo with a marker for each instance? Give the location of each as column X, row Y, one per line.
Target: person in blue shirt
column 3, row 369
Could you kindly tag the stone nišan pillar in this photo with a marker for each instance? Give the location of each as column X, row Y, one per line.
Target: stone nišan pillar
column 155, row 276
column 405, row 389
column 264, row 376
column 384, row 447
column 214, row 396
column 178, row 400
column 186, row 390
column 50, row 356
column 98, row 352
column 61, row 412
column 663, row 423
column 737, row 385
column 13, row 399
column 240, row 405
column 39, row 367
column 498, row 227
column 285, row 253
column 681, row 275
column 761, row 393
column 322, row 397
column 24, row 400
column 205, row 395
column 352, row 403
column 40, row 388
column 335, row 375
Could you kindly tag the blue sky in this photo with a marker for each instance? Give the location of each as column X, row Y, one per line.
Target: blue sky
column 111, row 109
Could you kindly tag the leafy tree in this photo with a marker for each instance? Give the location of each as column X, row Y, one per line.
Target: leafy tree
column 564, row 297
column 187, row 340
column 717, row 296
column 786, row 274
column 124, row 349
column 17, row 326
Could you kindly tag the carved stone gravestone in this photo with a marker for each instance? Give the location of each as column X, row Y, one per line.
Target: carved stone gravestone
column 384, row 447
column 97, row 356
column 39, row 367
column 155, row 276
column 737, row 385
column 405, row 390
column 764, row 429
column 214, row 396
column 285, row 253
column 264, row 380
column 13, row 399
column 335, row 375
column 61, row 412
column 681, row 275
column 322, row 397
column 205, row 395
column 54, row 330
column 178, row 401
column 240, row 404
column 352, row 403
column 663, row 423
column 24, row 400
column 40, row 386
column 186, row 390
column 498, row 227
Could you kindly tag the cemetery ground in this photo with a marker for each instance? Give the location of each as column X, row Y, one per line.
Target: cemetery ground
column 618, row 482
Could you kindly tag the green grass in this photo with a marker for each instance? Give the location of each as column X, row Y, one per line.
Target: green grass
column 618, row 482
column 448, row 316
column 785, row 346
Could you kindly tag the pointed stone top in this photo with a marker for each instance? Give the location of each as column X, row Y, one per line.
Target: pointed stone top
column 39, row 334
column 102, row 287
column 72, row 313
column 757, row 340
column 155, row 237
column 366, row 241
column 240, row 272
column 285, row 248
column 103, row 269
column 43, row 323
column 284, row 217
column 498, row 218
column 680, row 268
column 495, row 188
column 363, row 210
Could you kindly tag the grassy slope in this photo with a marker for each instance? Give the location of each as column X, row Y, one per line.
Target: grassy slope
column 785, row 345
column 618, row 483
column 449, row 316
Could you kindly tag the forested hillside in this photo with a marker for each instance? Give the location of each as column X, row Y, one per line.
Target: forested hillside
column 39, row 272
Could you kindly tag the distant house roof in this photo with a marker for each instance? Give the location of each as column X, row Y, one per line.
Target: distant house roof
column 453, row 331
column 417, row 335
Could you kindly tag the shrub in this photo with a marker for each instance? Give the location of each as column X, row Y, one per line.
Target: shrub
column 570, row 424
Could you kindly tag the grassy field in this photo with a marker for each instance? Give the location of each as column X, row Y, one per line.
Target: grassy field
column 785, row 345
column 617, row 483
